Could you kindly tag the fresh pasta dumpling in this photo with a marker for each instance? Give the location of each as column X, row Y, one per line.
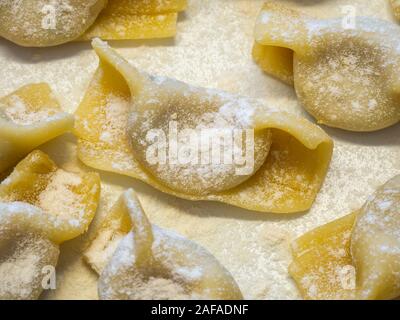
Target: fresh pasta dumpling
column 29, row 117
column 46, row 23
column 196, row 143
column 375, row 244
column 344, row 76
column 52, row 22
column 24, row 255
column 138, row 260
column 355, row 257
column 41, row 206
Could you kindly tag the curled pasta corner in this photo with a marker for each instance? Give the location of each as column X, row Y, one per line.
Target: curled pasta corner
column 279, row 32
column 41, row 206
column 354, row 257
column 287, row 181
column 136, row 260
column 29, row 117
column 63, row 203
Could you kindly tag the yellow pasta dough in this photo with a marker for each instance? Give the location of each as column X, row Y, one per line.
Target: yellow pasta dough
column 44, row 23
column 137, row 260
column 345, row 75
column 29, row 117
column 139, row 7
column 322, row 264
column 125, row 26
column 130, row 19
column 355, row 257
column 41, row 206
column 288, row 156
column 396, row 8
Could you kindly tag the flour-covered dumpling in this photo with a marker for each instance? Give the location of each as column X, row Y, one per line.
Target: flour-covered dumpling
column 161, row 106
column 354, row 257
column 375, row 244
column 345, row 76
column 29, row 117
column 41, row 206
column 137, row 260
column 24, row 256
column 197, row 143
column 165, row 109
column 43, row 23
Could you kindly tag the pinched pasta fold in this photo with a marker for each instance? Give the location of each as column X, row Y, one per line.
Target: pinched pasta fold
column 138, row 260
column 124, row 112
column 48, row 23
column 354, row 257
column 29, row 117
column 344, row 75
column 41, row 206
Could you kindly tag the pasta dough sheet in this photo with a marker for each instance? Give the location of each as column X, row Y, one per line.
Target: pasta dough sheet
column 212, row 49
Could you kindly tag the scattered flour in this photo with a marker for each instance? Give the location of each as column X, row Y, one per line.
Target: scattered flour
column 59, row 199
column 21, row 114
column 212, row 49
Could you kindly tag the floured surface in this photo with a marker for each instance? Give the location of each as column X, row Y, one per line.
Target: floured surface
column 213, row 49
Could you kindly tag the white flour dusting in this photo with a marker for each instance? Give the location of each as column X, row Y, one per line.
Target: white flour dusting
column 59, row 198
column 213, row 49
column 18, row 112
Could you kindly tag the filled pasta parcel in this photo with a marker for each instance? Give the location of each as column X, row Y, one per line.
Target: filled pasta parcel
column 356, row 256
column 198, row 143
column 41, row 206
column 138, row 260
column 345, row 76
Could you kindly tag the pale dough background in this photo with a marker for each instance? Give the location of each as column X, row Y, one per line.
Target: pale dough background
column 212, row 48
